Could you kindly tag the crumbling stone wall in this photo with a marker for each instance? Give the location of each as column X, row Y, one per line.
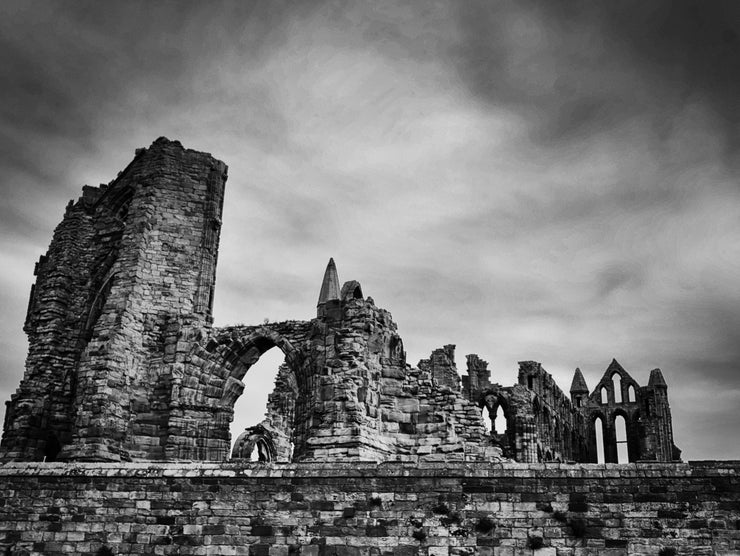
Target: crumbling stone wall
column 130, row 266
column 543, row 424
column 354, row 509
column 124, row 364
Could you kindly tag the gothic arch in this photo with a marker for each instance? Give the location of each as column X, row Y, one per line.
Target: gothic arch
column 255, row 441
column 493, row 401
column 204, row 393
column 591, row 437
column 632, row 426
column 241, row 354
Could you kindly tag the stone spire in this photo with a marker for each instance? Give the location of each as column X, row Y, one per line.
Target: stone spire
column 330, row 285
column 578, row 386
column 656, row 379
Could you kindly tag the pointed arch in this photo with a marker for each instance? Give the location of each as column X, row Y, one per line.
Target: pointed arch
column 255, row 444
column 502, row 421
column 599, row 439
column 620, row 428
column 211, row 382
column 617, row 383
column 631, row 397
column 604, row 395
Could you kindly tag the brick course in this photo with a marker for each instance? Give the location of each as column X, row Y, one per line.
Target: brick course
column 370, row 509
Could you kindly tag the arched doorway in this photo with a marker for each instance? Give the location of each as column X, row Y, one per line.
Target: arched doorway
column 204, row 396
column 266, row 369
column 267, row 407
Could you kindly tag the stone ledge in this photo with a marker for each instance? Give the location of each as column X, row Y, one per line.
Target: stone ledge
column 369, row 469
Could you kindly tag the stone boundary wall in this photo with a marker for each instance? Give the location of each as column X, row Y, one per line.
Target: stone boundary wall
column 361, row 509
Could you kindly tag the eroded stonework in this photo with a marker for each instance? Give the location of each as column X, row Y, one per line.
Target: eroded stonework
column 125, row 365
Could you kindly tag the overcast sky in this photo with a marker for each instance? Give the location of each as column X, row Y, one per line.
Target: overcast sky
column 553, row 180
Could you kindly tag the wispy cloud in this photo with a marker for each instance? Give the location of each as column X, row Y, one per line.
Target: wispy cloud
column 529, row 180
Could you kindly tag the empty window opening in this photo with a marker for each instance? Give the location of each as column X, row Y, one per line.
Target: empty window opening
column 599, row 429
column 498, row 421
column 631, row 393
column 52, row 448
column 620, row 426
column 604, row 395
column 259, row 382
column 486, row 422
column 530, row 382
column 617, row 380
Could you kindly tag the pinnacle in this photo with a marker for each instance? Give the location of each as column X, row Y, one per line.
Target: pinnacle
column 579, row 383
column 330, row 284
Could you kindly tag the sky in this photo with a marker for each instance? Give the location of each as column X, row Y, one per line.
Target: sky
column 551, row 180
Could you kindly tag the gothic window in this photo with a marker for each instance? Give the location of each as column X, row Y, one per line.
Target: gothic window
column 604, row 395
column 498, row 421
column 617, row 380
column 631, row 393
column 620, row 426
column 599, row 431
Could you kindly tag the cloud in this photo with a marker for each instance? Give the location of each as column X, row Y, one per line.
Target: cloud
column 528, row 180
column 577, row 67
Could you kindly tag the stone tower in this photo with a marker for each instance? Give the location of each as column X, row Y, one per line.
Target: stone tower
column 578, row 389
column 131, row 266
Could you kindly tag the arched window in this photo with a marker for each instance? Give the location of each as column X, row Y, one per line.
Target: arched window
column 617, row 380
column 599, row 430
column 498, row 421
column 631, row 393
column 604, row 395
column 484, row 413
column 621, row 429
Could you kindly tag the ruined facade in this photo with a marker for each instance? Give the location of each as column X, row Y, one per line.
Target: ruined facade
column 125, row 365
column 619, row 422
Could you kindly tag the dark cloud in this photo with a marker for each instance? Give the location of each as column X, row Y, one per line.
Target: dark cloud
column 575, row 67
column 714, row 324
column 528, row 180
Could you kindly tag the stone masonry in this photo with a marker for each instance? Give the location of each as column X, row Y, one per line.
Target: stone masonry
column 125, row 365
column 129, row 391
column 368, row 509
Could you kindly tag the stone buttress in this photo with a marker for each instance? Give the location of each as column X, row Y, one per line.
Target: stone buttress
column 130, row 267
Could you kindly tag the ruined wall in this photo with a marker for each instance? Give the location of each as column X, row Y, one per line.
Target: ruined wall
column 345, row 393
column 544, row 424
column 560, row 430
column 366, row 509
column 131, row 265
column 124, row 364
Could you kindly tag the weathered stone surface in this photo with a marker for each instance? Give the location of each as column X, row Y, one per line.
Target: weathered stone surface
column 124, row 364
column 130, row 271
column 365, row 508
column 359, row 452
column 543, row 424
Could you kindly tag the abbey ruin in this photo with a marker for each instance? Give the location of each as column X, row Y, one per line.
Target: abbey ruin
column 128, row 380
